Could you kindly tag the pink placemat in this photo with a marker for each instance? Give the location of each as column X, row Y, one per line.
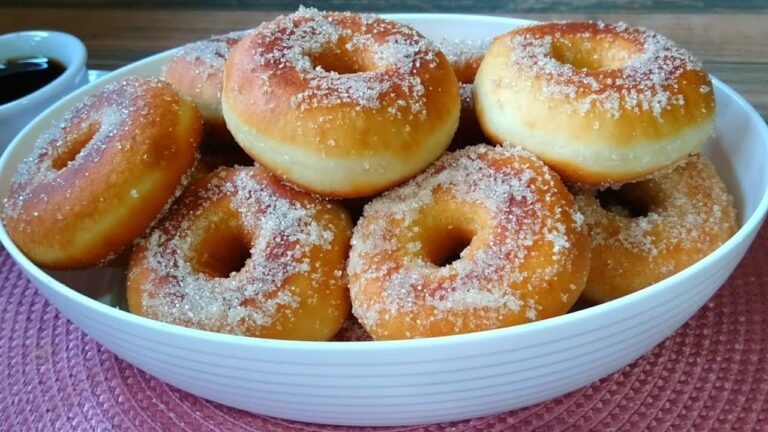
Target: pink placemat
column 712, row 374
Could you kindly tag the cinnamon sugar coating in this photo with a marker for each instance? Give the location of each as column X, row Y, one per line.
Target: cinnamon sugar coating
column 102, row 175
column 242, row 253
column 197, row 72
column 656, row 227
column 526, row 256
column 600, row 103
column 365, row 102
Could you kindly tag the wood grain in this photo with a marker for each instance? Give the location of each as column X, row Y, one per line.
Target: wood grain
column 731, row 45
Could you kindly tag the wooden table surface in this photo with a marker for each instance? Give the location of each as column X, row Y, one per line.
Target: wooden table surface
column 730, row 37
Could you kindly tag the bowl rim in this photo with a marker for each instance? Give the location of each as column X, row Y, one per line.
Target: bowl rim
column 76, row 67
column 748, row 228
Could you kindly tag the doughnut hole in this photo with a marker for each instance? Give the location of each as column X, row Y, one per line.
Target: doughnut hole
column 447, row 230
column 341, row 60
column 593, row 54
column 221, row 245
column 74, row 145
column 451, row 241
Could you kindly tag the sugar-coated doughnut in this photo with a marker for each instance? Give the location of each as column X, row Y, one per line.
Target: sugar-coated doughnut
column 242, row 253
column 341, row 104
column 601, row 104
column 647, row 231
column 465, row 56
column 197, row 72
column 99, row 178
column 520, row 247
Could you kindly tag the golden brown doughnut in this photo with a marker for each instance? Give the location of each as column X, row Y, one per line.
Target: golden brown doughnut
column 465, row 56
column 340, row 104
column 242, row 253
column 197, row 72
column 647, row 231
column 98, row 179
column 520, row 247
column 601, row 104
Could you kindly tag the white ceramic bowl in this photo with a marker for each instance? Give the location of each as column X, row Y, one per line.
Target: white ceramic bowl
column 415, row 381
column 63, row 47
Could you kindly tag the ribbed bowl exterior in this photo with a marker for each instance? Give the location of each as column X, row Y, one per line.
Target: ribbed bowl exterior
column 429, row 380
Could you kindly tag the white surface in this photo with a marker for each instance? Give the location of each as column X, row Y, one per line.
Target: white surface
column 63, row 47
column 96, row 74
column 416, row 381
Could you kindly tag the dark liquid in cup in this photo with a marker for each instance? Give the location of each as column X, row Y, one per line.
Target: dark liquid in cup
column 22, row 76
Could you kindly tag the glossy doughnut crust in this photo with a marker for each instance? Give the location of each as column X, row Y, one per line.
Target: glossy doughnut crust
column 244, row 254
column 197, row 72
column 98, row 179
column 340, row 104
column 526, row 255
column 688, row 215
column 601, row 104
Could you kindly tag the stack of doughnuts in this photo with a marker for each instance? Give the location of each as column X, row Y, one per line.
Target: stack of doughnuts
column 279, row 178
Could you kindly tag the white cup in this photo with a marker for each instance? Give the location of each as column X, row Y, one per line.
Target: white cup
column 65, row 48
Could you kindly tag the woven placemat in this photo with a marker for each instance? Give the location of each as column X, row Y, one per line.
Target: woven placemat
column 712, row 374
